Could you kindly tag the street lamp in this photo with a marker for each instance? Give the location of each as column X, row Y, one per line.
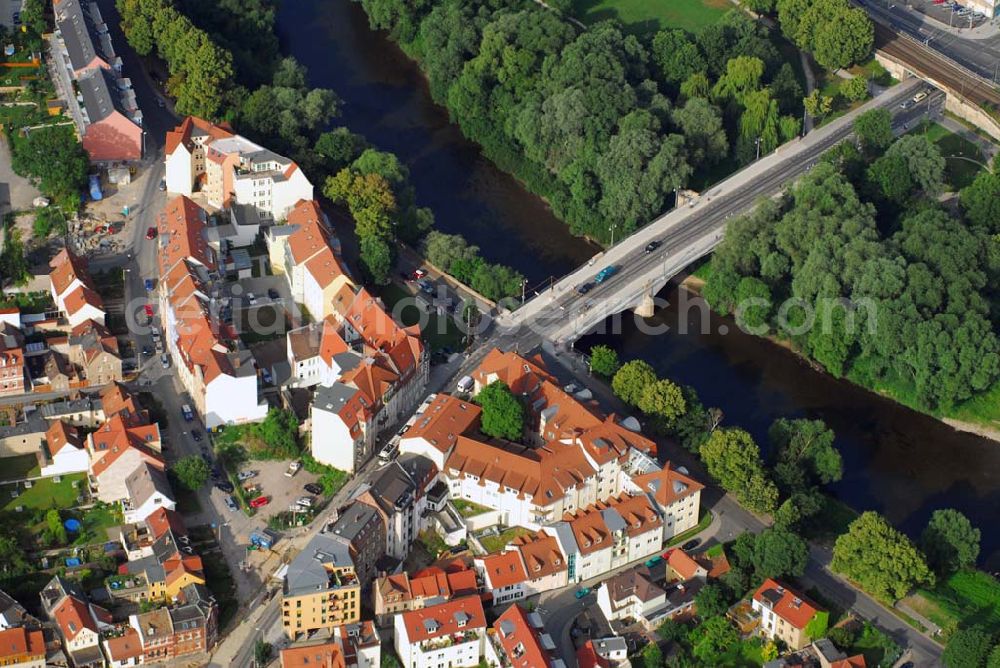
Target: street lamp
column 757, row 142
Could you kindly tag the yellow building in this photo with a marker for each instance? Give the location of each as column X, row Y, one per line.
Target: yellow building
column 321, row 588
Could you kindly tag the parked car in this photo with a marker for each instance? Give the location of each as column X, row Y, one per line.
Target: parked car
column 653, row 561
column 147, row 351
column 305, row 501
column 245, row 475
column 292, row 469
column 187, row 413
column 151, row 233
column 165, row 360
column 163, row 182
column 919, row 97
column 584, row 288
column 251, row 299
column 426, row 287
column 266, row 375
column 691, row 544
column 148, row 310
column 312, row 488
column 260, row 502
column 149, row 284
column 580, row 593
column 196, row 435
column 465, row 384
column 606, row 273
column 225, row 486
column 273, row 294
column 419, row 273
column 231, row 503
column 653, row 245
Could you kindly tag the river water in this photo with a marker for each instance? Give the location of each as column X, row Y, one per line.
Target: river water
column 896, row 461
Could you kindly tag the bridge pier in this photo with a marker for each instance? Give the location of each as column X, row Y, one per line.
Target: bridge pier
column 646, row 306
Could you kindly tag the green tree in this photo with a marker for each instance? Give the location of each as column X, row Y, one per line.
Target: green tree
column 192, row 472
column 712, row 600
column 13, row 258
column 981, row 202
column 696, row 85
column 279, row 434
column 923, row 159
column 759, row 6
column 33, row 16
column 503, row 413
column 631, row 380
column 743, row 75
column 377, row 258
column 993, row 661
column 818, row 625
column 54, row 527
column 817, row 105
column 604, row 361
column 733, row 458
column 443, row 250
column 779, row 553
column 806, row 446
column 676, row 56
column 879, row 558
column 855, row 89
column 339, row 147
column 753, row 305
column 713, row 638
column 967, row 648
column 663, row 401
column 950, row 541
column 891, row 175
column 704, row 134
column 651, row 656
column 874, row 130
column 262, row 652
column 53, row 159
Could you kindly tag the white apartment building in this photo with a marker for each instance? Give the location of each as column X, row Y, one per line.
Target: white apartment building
column 450, row 634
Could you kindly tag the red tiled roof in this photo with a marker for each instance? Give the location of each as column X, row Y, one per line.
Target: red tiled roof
column 80, row 297
column 786, row 604
column 541, row 554
column 667, row 485
column 683, row 564
column 443, row 620
column 161, row 519
column 444, row 420
column 857, row 661
column 587, row 657
column 182, row 235
column 61, row 434
column 73, row 615
column 67, row 267
column 182, row 133
column 19, row 642
column 520, row 640
column 124, row 647
column 504, row 569
column 331, row 343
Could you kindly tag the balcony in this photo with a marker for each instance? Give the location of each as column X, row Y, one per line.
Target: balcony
column 443, row 642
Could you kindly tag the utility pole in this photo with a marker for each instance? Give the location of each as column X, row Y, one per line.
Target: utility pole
column 758, row 149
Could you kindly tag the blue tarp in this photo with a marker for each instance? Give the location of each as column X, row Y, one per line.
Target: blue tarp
column 95, row 188
column 72, row 561
column 72, row 525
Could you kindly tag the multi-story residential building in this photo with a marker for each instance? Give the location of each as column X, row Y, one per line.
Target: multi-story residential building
column 436, row 426
column 230, row 169
column 301, row 250
column 633, row 594
column 123, row 649
column 93, row 350
column 148, row 490
column 784, row 613
column 353, row 646
column 399, row 494
column 361, row 528
column 401, row 593
column 216, row 370
column 519, row 640
column 105, row 110
column 188, row 627
column 66, row 450
column 162, row 563
column 79, row 621
column 544, row 562
column 602, row 653
column 503, row 576
column 676, row 495
column 12, row 362
column 448, row 634
column 22, row 648
column 72, row 289
column 321, row 588
column 13, row 614
column 116, row 449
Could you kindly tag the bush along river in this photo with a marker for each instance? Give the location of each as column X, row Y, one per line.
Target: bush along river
column 897, row 461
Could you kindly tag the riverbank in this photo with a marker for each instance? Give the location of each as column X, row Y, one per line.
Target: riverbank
column 695, row 284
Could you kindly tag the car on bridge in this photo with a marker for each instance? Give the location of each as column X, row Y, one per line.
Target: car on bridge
column 653, row 245
column 606, row 273
column 584, row 288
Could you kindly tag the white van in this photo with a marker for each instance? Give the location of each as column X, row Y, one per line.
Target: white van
column 465, row 384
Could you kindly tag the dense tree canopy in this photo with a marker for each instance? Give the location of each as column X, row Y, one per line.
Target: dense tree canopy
column 967, row 648
column 53, row 159
column 836, row 34
column 192, row 472
column 879, row 558
column 804, row 453
column 631, row 381
column 604, row 361
column 503, row 414
column 733, row 458
column 950, row 541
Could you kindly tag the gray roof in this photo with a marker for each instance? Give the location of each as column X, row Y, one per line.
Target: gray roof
column 393, row 489
column 331, row 398
column 564, row 535
column 307, row 574
column 614, row 520
column 418, row 467
column 84, row 33
column 353, row 521
column 32, row 425
column 148, row 566
column 58, row 409
column 103, row 95
column 144, row 481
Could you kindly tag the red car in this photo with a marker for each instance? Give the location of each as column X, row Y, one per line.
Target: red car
column 419, row 273
column 151, row 233
column 148, row 309
column 259, row 502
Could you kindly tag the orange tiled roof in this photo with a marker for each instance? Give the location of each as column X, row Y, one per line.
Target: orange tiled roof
column 504, row 569
column 311, row 236
column 116, row 437
column 331, row 343
column 379, row 331
column 541, row 554
column 786, row 604
column 520, row 640
column 161, row 520
column 637, row 511
column 73, row 615
column 19, row 642
column 667, row 485
column 443, row 620
column 326, row 655
column 116, row 400
column 857, row 661
column 182, row 133
column 324, row 267
column 182, row 235
column 80, row 297
column 587, row 657
column 444, row 420
column 683, row 564
column 124, row 647
column 67, row 267
column 372, row 378
column 61, row 434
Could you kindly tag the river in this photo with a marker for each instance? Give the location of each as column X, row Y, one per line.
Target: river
column 897, row 461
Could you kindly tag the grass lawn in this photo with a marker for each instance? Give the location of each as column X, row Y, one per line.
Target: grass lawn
column 45, row 494
column 95, row 523
column 497, row 543
column 18, row 467
column 957, row 151
column 984, row 408
column 433, row 543
column 965, row 599
column 642, row 16
column 468, row 508
column 437, row 331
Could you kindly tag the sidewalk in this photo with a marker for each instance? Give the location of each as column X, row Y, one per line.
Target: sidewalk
column 916, row 8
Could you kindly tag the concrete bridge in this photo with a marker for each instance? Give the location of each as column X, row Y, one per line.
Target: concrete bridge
column 561, row 314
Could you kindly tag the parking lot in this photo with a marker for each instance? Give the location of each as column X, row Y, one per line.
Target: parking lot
column 953, row 13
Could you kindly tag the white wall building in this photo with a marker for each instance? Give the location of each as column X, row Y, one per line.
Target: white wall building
column 450, row 634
